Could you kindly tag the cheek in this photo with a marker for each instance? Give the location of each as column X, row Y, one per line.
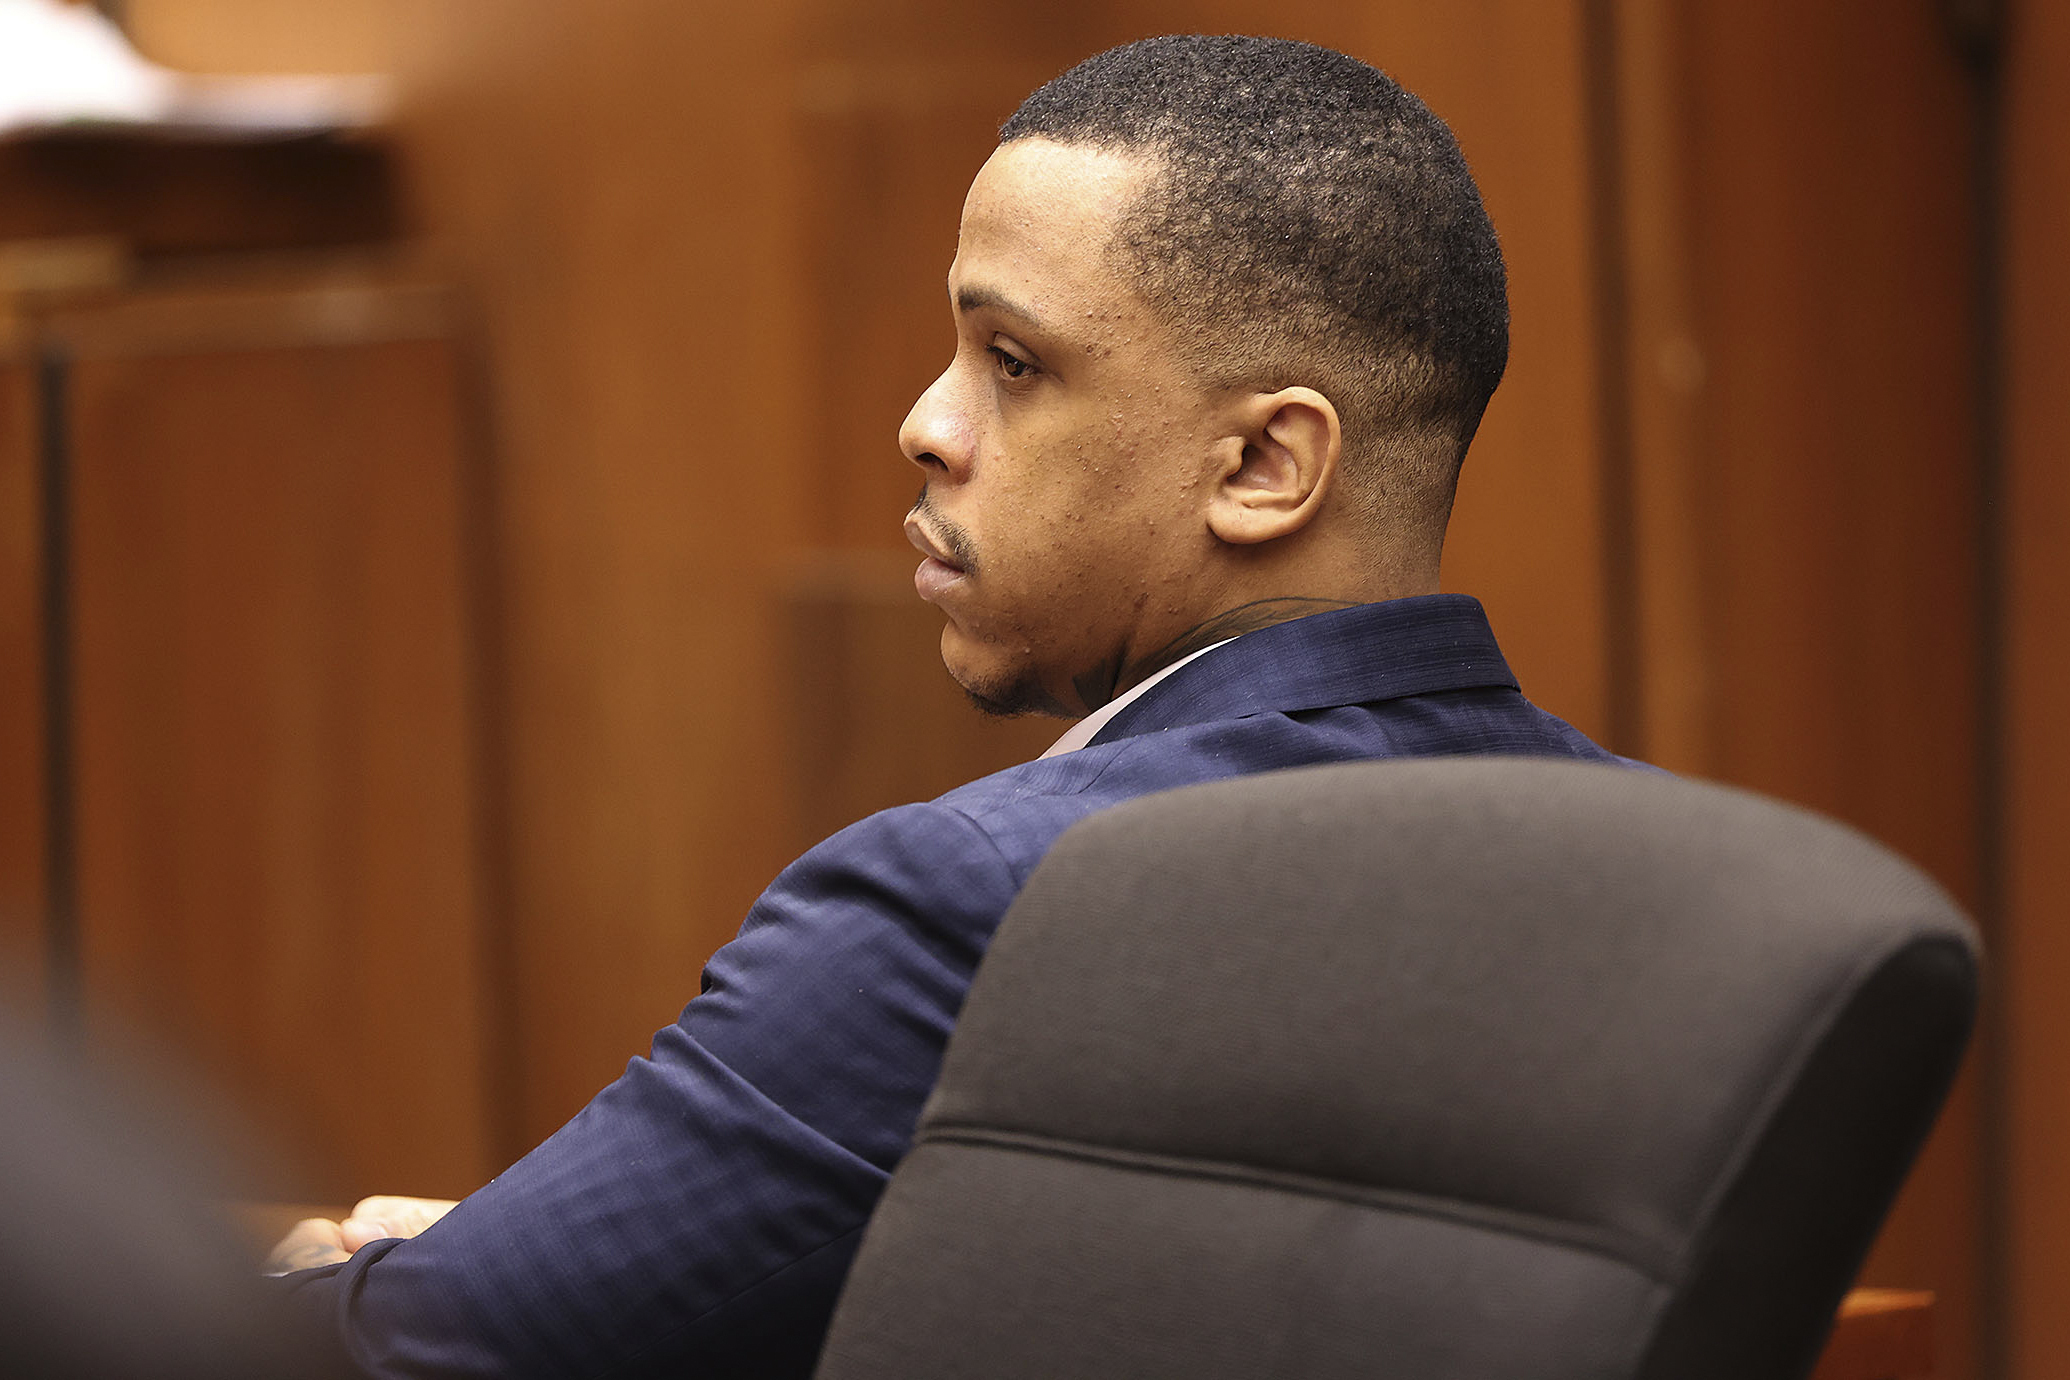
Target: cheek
column 1086, row 531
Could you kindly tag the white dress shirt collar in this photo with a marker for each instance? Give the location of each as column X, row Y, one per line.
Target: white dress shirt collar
column 1082, row 732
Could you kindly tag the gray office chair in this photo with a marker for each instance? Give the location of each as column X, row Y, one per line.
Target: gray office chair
column 1475, row 1068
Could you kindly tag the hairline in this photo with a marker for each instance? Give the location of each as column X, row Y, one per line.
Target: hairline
column 1218, row 361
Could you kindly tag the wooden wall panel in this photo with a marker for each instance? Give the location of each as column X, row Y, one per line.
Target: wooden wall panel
column 1529, row 533
column 877, row 721
column 1644, row 61
column 277, row 819
column 23, row 940
column 871, row 137
column 2033, row 959
column 1804, row 378
column 1838, row 241
column 616, row 187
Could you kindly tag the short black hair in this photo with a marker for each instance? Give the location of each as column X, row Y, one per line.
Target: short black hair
column 1310, row 222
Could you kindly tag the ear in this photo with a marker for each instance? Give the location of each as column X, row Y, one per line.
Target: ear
column 1283, row 464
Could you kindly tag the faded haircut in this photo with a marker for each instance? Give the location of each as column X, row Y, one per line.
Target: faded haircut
column 1309, row 222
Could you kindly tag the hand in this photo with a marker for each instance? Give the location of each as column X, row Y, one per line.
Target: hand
column 312, row 1242
column 385, row 1216
column 318, row 1241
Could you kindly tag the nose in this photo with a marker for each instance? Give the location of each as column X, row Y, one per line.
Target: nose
column 935, row 435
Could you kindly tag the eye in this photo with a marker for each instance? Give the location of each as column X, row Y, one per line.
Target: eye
column 1008, row 363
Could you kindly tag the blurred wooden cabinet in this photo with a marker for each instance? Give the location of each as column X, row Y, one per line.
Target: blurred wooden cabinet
column 241, row 734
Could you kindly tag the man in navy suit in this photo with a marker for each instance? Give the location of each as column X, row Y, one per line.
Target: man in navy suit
column 1227, row 314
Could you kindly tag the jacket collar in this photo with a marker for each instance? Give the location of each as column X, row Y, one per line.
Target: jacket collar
column 1419, row 646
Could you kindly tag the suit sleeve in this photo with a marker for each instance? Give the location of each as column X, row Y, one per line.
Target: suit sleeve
column 697, row 1217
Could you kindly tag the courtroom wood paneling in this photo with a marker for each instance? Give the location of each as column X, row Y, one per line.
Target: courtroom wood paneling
column 618, row 186
column 1808, row 388
column 879, row 722
column 1643, row 60
column 1529, row 533
column 278, row 829
column 871, row 138
column 1837, row 242
column 2034, row 524
column 23, row 941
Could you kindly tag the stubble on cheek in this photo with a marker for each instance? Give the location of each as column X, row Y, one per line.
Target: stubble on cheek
column 1000, row 672
column 1009, row 634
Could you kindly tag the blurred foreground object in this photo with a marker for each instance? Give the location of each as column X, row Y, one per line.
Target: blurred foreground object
column 1484, row 1067
column 112, row 1266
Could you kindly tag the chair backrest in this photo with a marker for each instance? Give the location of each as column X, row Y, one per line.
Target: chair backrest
column 1465, row 1068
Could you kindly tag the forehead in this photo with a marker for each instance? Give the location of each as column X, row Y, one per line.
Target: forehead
column 1038, row 223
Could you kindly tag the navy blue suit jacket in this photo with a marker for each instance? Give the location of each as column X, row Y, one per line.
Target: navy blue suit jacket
column 697, row 1217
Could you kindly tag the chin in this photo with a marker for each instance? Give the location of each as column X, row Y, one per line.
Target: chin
column 1017, row 703
column 1003, row 693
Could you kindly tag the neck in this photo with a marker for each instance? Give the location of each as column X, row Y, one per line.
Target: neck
column 1104, row 682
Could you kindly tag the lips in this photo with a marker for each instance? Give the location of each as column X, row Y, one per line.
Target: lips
column 939, row 571
column 927, row 545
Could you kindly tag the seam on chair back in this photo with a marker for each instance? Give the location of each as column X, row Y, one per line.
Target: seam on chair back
column 1651, row 1259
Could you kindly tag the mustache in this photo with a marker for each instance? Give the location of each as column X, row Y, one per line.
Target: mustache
column 945, row 534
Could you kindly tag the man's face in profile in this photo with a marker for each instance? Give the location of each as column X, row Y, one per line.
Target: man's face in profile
column 1068, row 458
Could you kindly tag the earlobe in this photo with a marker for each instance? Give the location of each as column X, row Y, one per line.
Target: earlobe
column 1283, row 467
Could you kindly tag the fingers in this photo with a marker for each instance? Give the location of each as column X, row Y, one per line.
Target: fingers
column 313, row 1241
column 385, row 1215
column 360, row 1231
column 316, row 1241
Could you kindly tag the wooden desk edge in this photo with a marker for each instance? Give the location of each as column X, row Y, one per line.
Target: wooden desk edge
column 1880, row 1334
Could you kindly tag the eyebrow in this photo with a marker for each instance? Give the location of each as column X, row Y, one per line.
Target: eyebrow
column 970, row 299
